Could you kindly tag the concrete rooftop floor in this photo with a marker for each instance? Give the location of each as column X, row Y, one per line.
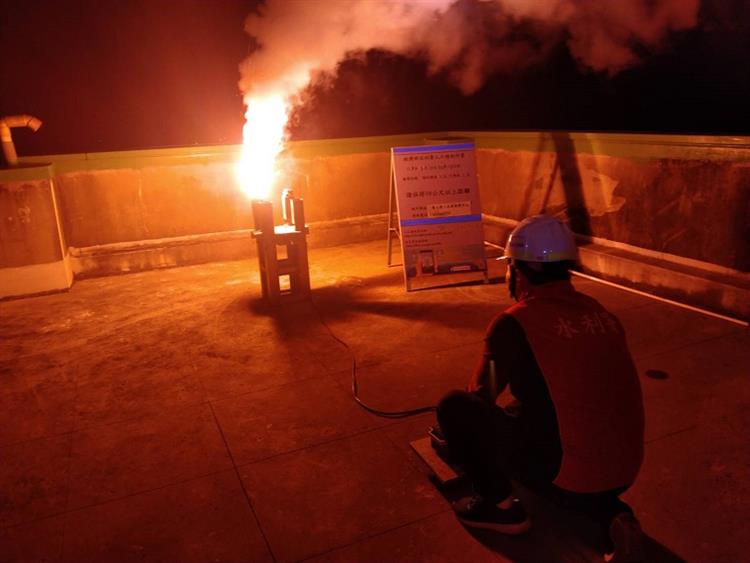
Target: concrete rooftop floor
column 170, row 416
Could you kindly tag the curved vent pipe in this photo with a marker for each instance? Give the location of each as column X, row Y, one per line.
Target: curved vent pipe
column 6, row 124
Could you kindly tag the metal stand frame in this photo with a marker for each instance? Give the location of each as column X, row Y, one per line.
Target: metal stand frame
column 393, row 226
column 292, row 236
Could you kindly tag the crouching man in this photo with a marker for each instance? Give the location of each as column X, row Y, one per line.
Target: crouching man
column 575, row 429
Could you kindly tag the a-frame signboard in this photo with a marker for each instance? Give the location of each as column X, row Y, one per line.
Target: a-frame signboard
column 439, row 220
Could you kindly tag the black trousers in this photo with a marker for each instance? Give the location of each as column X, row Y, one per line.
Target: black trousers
column 492, row 447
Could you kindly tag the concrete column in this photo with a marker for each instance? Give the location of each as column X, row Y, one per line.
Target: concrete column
column 33, row 254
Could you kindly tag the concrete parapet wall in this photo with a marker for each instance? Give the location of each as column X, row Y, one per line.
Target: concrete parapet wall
column 132, row 196
column 663, row 194
column 155, row 202
column 680, row 197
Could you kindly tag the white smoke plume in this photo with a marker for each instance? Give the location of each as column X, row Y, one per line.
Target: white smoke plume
column 469, row 40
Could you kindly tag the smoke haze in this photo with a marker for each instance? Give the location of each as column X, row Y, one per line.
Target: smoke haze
column 468, row 40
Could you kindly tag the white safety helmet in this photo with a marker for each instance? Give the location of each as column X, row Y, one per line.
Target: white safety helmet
column 541, row 238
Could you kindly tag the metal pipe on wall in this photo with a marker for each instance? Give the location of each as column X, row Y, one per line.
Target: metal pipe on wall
column 6, row 124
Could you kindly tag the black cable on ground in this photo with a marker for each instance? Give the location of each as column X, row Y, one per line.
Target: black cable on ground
column 355, row 384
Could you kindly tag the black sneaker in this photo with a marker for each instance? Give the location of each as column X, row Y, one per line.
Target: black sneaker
column 627, row 539
column 477, row 512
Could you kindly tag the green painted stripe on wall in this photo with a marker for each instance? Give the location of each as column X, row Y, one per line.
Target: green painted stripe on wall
column 625, row 145
column 27, row 173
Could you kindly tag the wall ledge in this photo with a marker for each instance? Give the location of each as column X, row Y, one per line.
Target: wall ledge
column 135, row 256
column 701, row 284
column 35, row 279
column 678, row 262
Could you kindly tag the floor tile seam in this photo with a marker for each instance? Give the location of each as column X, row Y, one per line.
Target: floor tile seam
column 217, row 399
column 94, row 339
column 36, row 439
column 652, row 355
column 415, row 464
column 45, row 351
column 85, row 428
column 155, row 377
column 374, row 535
column 322, row 364
column 311, row 446
column 88, row 428
column 242, row 484
column 68, row 482
column 329, row 331
column 202, row 387
column 671, row 434
column 112, row 500
column 648, row 303
column 347, row 387
column 59, row 548
column 360, row 364
column 467, row 342
column 432, row 350
column 70, row 434
column 367, row 362
column 94, row 426
column 717, row 416
column 390, row 420
column 380, row 362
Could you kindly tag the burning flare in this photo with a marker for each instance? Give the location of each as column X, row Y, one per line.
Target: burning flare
column 263, row 140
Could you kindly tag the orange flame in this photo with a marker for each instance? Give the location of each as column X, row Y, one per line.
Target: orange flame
column 257, row 170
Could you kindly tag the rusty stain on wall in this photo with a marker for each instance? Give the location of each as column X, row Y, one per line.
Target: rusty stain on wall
column 28, row 225
column 14, row 200
column 598, row 188
column 698, row 209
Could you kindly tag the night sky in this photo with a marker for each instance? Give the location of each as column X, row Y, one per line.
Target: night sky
column 130, row 74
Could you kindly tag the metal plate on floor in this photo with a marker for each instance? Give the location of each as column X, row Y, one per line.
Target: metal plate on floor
column 444, row 473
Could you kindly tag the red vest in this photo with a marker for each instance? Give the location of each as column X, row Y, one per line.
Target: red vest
column 582, row 352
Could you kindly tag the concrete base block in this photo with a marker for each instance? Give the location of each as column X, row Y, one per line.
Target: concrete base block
column 37, row 279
